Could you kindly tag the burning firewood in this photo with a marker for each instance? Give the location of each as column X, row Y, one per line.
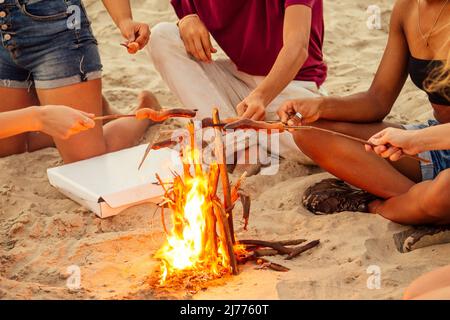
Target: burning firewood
column 221, row 162
column 200, row 244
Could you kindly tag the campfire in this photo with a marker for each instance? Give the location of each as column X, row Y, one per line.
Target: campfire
column 200, row 245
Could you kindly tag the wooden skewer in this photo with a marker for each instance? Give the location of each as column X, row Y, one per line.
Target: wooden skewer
column 261, row 125
column 114, row 116
column 220, row 154
column 362, row 141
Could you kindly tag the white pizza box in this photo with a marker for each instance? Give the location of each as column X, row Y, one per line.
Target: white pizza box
column 111, row 183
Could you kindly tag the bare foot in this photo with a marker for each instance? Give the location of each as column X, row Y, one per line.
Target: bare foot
column 131, row 129
column 146, row 99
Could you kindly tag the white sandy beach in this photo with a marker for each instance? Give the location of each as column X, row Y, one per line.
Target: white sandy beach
column 42, row 232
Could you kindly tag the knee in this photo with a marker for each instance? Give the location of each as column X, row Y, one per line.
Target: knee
column 313, row 143
column 165, row 35
column 436, row 202
column 410, row 293
column 13, row 145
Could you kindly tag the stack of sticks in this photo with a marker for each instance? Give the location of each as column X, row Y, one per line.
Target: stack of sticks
column 220, row 219
column 258, row 250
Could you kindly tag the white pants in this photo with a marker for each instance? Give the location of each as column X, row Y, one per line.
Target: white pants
column 204, row 86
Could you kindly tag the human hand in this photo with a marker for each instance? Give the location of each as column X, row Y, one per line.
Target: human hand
column 62, row 122
column 134, row 31
column 393, row 143
column 253, row 107
column 196, row 38
column 308, row 108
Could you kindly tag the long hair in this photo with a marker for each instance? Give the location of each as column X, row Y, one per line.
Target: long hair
column 439, row 79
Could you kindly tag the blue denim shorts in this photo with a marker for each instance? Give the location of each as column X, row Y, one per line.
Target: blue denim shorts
column 439, row 159
column 46, row 44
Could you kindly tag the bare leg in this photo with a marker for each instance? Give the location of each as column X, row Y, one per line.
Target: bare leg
column 130, row 128
column 349, row 161
column 407, row 202
column 87, row 97
column 425, row 203
column 428, row 283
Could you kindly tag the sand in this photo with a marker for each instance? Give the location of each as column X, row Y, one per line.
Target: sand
column 42, row 232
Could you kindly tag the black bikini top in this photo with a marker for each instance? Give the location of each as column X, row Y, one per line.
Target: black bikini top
column 419, row 70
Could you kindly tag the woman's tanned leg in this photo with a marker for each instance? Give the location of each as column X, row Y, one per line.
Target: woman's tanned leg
column 429, row 282
column 408, row 201
column 426, row 202
column 349, row 161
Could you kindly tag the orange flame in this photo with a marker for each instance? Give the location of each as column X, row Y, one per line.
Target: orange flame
column 192, row 243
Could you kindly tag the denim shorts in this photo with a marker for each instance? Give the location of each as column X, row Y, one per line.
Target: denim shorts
column 439, row 159
column 46, row 44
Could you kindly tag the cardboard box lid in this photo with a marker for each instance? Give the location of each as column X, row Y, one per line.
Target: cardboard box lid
column 114, row 177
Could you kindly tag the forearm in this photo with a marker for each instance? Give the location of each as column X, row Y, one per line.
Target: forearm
column 286, row 67
column 19, row 121
column 119, row 10
column 361, row 107
column 433, row 138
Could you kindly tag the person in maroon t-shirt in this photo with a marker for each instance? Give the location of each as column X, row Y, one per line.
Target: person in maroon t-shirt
column 273, row 48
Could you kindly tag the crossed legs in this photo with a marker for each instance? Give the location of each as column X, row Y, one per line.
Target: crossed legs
column 405, row 199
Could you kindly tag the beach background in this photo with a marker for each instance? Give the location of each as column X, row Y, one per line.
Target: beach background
column 42, row 232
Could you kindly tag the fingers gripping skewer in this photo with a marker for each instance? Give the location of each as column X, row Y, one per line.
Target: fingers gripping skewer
column 279, row 126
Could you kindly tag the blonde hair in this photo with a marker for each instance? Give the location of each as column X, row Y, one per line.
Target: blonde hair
column 439, row 79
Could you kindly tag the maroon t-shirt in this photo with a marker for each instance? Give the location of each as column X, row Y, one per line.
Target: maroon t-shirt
column 251, row 32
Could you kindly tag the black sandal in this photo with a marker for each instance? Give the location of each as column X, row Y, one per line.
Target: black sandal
column 333, row 196
column 420, row 237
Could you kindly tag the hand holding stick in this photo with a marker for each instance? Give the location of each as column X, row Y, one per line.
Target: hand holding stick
column 281, row 127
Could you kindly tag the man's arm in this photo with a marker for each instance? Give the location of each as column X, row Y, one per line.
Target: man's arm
column 120, row 12
column 287, row 65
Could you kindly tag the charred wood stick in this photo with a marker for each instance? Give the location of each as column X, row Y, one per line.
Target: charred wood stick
column 260, row 243
column 266, row 252
column 274, row 245
column 271, row 265
column 280, row 127
column 225, row 235
column 246, row 204
column 299, row 250
column 157, row 146
column 221, row 161
column 236, row 187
